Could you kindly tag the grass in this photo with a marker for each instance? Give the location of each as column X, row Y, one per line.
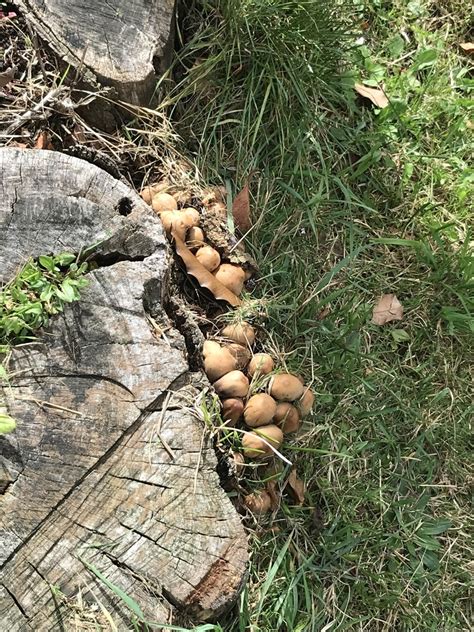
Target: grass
column 349, row 203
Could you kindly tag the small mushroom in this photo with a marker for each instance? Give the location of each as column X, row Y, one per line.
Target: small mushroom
column 218, row 208
column 195, row 237
column 259, row 410
column 217, row 360
column 182, row 197
column 163, row 202
column 254, row 442
column 287, row 417
column 173, row 221
column 261, row 364
column 306, row 402
column 148, row 192
column 231, row 276
column 232, row 410
column 208, row 257
column 239, row 462
column 233, row 384
column 259, row 502
column 240, row 353
column 191, row 217
column 241, row 333
column 286, row 387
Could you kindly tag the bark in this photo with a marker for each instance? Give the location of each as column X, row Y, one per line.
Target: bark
column 110, row 467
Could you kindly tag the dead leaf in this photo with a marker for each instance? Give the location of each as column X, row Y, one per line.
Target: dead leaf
column 375, row 95
column 388, row 308
column 7, row 76
column 296, row 487
column 274, row 494
column 468, row 47
column 43, row 141
column 241, row 210
column 203, row 276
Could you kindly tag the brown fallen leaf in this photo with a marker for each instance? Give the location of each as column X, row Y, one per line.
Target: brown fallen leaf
column 272, row 491
column 241, row 210
column 203, row 276
column 43, row 141
column 378, row 97
column 388, row 308
column 296, row 487
column 468, row 47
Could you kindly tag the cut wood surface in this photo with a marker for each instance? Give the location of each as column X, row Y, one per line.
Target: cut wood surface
column 109, row 467
column 121, row 43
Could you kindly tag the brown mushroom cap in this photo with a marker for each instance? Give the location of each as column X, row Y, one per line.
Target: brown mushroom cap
column 231, row 276
column 241, row 333
column 286, row 387
column 240, row 353
column 163, row 202
column 173, row 222
column 148, row 192
column 259, row 410
column 254, row 444
column 259, row 502
column 195, row 237
column 182, row 197
column 191, row 217
column 287, row 417
column 232, row 410
column 233, row 384
column 217, row 360
column 208, row 257
column 261, row 363
column 306, row 402
column 218, row 208
column 239, row 462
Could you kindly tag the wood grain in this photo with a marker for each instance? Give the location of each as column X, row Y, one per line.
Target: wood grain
column 119, row 43
column 86, row 479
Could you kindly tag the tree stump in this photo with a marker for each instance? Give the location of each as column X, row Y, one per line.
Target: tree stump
column 109, row 478
column 122, row 44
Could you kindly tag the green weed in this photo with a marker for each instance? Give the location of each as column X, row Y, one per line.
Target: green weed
column 38, row 291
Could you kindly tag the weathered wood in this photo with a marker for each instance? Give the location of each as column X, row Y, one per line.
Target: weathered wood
column 123, row 43
column 86, row 479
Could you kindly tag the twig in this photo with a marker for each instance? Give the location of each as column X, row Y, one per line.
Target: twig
column 164, row 443
column 199, row 460
column 42, row 403
column 27, row 116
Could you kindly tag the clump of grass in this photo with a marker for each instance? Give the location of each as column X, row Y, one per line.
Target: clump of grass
column 253, row 74
column 349, row 203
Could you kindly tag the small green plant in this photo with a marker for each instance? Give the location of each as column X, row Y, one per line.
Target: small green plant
column 38, row 291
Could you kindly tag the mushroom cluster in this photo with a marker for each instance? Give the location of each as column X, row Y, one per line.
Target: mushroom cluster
column 264, row 402
column 182, row 220
column 267, row 404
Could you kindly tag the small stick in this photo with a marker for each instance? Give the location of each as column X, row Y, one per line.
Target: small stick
column 26, row 116
column 164, row 443
column 42, row 403
column 199, row 461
